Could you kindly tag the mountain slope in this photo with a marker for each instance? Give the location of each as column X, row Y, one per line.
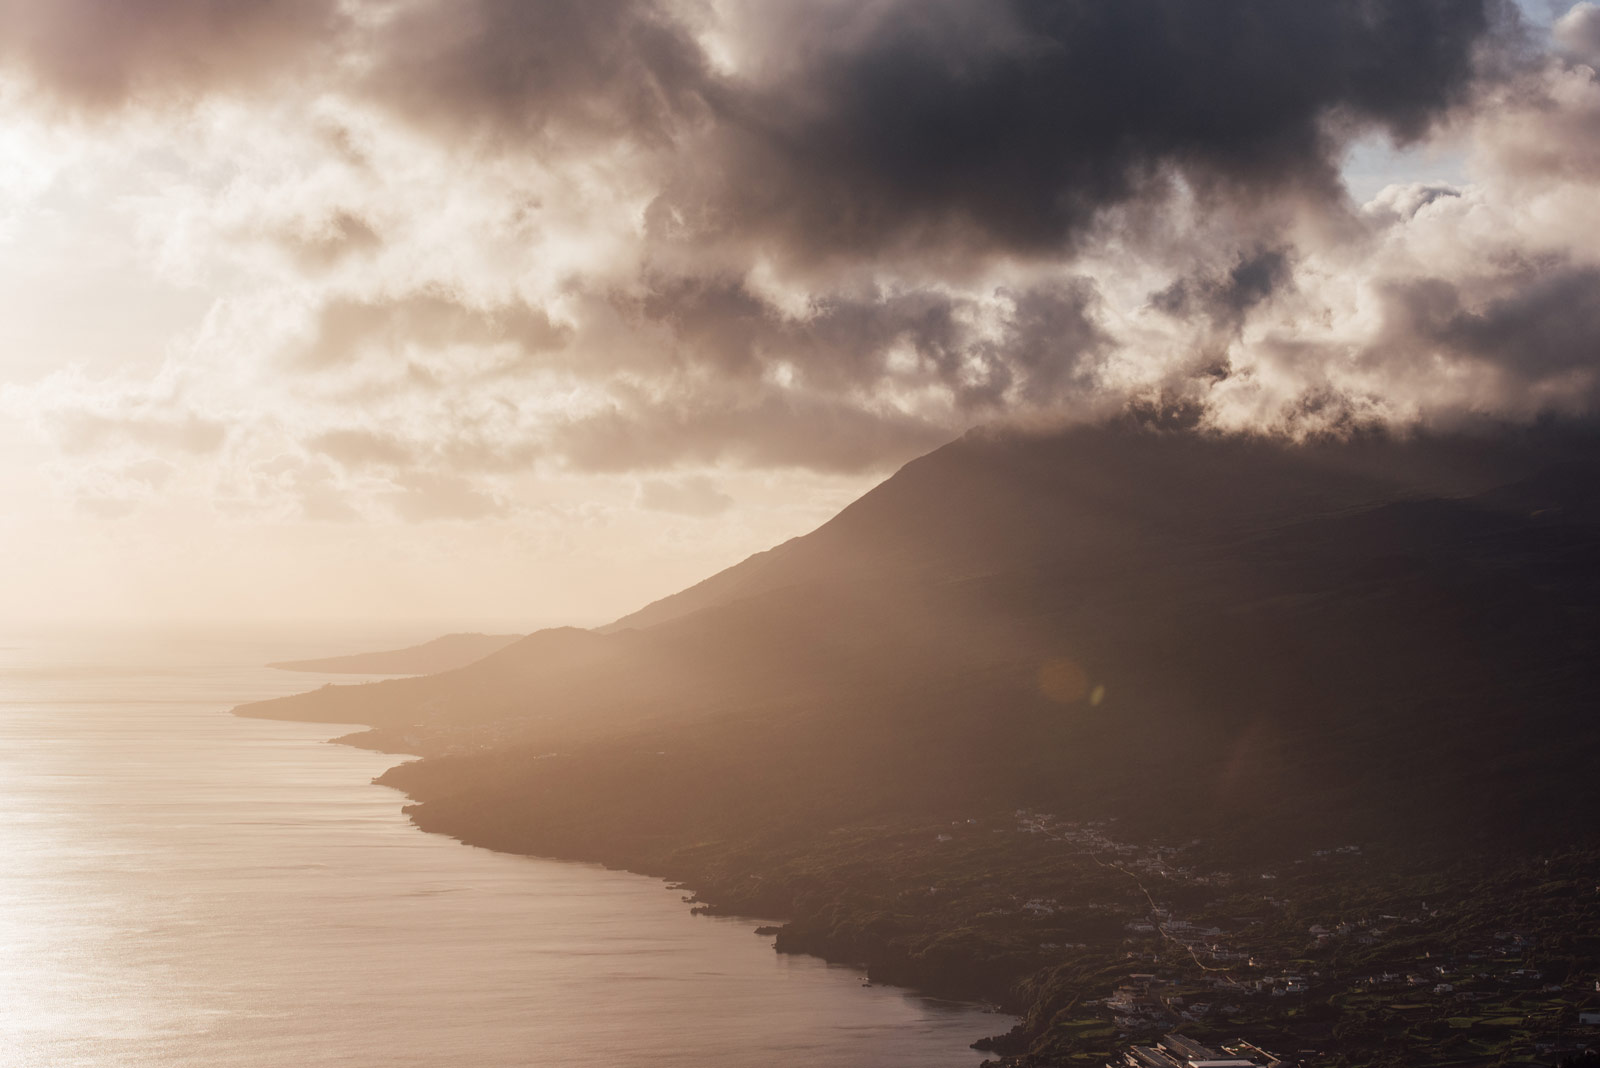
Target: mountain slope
column 1369, row 633
column 998, row 725
column 998, row 499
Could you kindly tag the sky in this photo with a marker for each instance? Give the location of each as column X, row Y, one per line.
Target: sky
column 511, row 313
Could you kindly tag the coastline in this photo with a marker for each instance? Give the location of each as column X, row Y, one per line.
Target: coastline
column 1052, row 921
column 773, row 918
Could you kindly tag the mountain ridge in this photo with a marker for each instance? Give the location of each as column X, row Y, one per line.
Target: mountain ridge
column 1434, row 465
column 973, row 566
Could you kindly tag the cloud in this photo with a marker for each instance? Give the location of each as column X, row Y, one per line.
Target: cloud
column 1544, row 128
column 1577, row 33
column 819, row 433
column 974, row 350
column 427, row 320
column 98, row 418
column 540, row 71
column 103, row 53
column 107, row 507
column 288, row 487
column 1399, row 203
column 1228, row 298
column 426, row 496
column 1546, row 332
column 113, row 491
column 1048, row 342
column 84, row 432
column 355, row 448
column 695, row 496
column 911, row 127
column 660, row 235
column 340, row 235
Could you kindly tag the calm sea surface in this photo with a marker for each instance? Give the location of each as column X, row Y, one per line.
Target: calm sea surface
column 182, row 887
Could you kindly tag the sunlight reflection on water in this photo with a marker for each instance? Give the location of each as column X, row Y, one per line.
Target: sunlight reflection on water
column 179, row 887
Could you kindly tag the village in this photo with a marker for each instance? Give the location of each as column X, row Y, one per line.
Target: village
column 1316, row 986
column 1179, row 1051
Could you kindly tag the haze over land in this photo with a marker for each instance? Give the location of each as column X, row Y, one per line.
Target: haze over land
column 439, row 654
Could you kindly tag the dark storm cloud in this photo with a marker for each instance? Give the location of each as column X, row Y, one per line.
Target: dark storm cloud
column 1225, row 300
column 1546, row 328
column 1015, row 134
column 844, row 341
column 871, row 340
column 102, row 52
column 1047, row 346
column 918, row 124
column 1011, row 119
column 1539, row 333
column 1543, row 330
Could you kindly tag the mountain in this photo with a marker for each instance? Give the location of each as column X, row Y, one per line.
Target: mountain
column 1064, row 721
column 1376, row 635
column 441, row 654
column 992, row 501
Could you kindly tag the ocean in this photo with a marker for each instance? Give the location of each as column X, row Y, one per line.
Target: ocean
column 183, row 887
